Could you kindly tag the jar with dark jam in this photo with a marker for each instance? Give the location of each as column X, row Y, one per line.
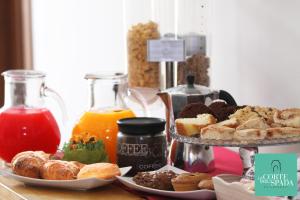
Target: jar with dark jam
column 141, row 144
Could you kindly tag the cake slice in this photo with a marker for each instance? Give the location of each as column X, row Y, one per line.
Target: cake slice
column 232, row 123
column 217, row 132
column 282, row 132
column 251, row 134
column 255, row 123
column 288, row 117
column 192, row 126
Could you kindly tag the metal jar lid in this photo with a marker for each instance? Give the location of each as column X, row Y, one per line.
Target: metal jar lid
column 141, row 125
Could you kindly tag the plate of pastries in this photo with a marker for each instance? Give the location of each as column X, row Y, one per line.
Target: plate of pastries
column 222, row 124
column 172, row 182
column 37, row 168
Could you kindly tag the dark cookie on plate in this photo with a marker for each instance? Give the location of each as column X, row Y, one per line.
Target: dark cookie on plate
column 193, row 109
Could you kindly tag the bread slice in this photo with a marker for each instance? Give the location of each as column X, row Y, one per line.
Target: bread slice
column 282, row 132
column 250, row 134
column 192, row 126
column 255, row 123
column 232, row 123
column 288, row 117
column 217, row 132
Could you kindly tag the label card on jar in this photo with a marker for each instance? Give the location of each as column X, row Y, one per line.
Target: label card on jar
column 165, row 50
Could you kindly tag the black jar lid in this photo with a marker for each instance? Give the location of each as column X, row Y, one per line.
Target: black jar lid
column 141, row 125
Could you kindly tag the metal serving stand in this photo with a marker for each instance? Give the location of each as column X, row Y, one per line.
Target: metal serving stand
column 247, row 149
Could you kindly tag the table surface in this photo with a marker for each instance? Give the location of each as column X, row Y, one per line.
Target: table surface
column 14, row 190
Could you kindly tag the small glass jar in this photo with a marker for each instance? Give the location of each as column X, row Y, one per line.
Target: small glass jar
column 141, row 144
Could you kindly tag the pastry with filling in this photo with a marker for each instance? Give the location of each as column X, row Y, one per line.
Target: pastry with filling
column 288, row 117
column 206, row 184
column 99, row 170
column 216, row 132
column 188, row 181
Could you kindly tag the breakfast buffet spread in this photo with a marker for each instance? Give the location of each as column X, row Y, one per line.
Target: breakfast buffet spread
column 116, row 140
column 109, row 142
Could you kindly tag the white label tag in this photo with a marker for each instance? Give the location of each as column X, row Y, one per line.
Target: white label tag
column 165, row 50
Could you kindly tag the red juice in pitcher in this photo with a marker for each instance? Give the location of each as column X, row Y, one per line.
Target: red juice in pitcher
column 23, row 129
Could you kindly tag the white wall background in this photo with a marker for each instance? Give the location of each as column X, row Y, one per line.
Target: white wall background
column 255, row 48
column 74, row 37
column 255, row 51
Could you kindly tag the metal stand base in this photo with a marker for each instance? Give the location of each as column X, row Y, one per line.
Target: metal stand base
column 247, row 155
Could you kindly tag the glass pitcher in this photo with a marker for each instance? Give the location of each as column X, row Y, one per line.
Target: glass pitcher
column 25, row 122
column 110, row 100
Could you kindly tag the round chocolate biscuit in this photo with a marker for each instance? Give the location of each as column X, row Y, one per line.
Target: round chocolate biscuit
column 193, row 109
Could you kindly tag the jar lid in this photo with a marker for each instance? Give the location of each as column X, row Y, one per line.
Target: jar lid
column 141, row 125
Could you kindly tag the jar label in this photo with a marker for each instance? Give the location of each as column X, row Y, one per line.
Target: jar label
column 142, row 157
column 140, row 150
column 165, row 50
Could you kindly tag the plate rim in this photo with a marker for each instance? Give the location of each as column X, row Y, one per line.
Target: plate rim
column 7, row 172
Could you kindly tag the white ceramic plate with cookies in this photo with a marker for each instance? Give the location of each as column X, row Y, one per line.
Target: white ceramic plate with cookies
column 196, row 194
column 77, row 184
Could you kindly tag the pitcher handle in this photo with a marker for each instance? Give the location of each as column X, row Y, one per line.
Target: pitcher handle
column 141, row 100
column 48, row 92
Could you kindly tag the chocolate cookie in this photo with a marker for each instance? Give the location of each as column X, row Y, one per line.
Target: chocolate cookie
column 221, row 110
column 217, row 105
column 194, row 109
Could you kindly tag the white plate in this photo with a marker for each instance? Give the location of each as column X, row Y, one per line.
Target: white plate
column 196, row 194
column 79, row 184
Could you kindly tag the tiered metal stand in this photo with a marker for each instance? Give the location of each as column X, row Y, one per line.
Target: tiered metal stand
column 247, row 149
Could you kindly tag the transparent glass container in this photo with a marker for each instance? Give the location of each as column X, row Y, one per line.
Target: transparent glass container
column 145, row 20
column 25, row 122
column 109, row 100
column 192, row 22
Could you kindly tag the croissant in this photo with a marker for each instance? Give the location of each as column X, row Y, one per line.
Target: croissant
column 59, row 170
column 28, row 163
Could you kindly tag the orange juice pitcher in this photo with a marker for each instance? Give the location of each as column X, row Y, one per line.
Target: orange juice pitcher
column 110, row 100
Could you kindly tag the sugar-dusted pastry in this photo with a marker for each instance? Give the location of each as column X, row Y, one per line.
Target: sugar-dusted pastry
column 27, row 165
column 288, row 117
column 191, row 126
column 44, row 156
column 188, row 181
column 282, row 132
column 78, row 164
column 254, row 123
column 245, row 135
column 217, row 132
column 59, row 170
column 99, row 170
column 206, row 184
